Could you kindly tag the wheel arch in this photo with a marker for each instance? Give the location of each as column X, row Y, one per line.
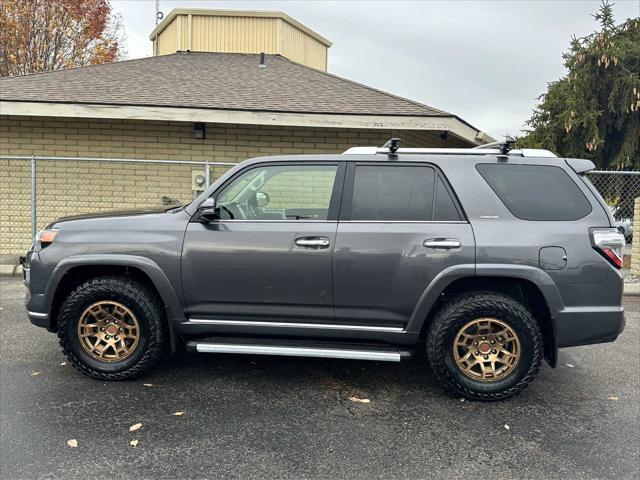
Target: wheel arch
column 72, row 271
column 528, row 285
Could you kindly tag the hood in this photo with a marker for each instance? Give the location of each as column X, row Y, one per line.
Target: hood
column 114, row 213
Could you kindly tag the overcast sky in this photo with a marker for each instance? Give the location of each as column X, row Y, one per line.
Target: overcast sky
column 483, row 61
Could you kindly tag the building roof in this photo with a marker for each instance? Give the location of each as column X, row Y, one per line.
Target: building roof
column 226, row 81
column 222, row 88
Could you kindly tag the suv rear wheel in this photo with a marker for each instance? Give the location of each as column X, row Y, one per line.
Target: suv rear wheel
column 484, row 346
column 111, row 328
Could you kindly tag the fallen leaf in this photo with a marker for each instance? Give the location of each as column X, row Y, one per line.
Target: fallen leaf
column 135, row 427
column 613, row 398
column 35, row 374
column 462, row 399
column 63, row 364
column 570, row 366
column 72, row 443
column 506, row 427
column 147, row 384
column 133, row 442
column 178, row 414
column 359, row 400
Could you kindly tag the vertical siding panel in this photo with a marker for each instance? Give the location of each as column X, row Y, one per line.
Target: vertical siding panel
column 209, row 33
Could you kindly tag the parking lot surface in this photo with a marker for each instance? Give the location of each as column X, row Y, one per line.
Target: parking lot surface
column 277, row 417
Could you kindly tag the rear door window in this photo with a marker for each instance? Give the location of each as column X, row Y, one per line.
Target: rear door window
column 536, row 192
column 401, row 193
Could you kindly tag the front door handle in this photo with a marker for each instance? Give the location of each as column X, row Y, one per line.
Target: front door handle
column 442, row 243
column 312, row 242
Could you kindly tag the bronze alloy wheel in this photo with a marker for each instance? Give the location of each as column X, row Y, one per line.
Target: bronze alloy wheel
column 108, row 331
column 486, row 349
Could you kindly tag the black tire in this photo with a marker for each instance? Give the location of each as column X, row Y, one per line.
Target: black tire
column 459, row 310
column 147, row 308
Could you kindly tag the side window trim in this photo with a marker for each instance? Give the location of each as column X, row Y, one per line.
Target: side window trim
column 348, row 188
column 334, row 202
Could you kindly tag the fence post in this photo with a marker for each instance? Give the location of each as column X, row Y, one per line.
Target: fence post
column 34, row 212
column 635, row 247
column 207, row 178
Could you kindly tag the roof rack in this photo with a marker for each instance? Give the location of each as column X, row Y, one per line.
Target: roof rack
column 492, row 149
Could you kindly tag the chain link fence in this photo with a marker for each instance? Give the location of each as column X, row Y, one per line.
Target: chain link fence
column 619, row 189
column 36, row 190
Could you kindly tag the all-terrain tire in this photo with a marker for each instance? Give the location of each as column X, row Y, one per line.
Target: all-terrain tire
column 135, row 296
column 457, row 312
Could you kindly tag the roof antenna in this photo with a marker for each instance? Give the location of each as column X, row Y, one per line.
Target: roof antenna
column 262, row 64
column 392, row 144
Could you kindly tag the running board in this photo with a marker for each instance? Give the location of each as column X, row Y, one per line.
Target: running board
column 299, row 349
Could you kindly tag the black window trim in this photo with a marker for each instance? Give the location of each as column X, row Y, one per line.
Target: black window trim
column 349, row 179
column 334, row 202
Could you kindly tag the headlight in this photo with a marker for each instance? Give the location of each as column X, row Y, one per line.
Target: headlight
column 46, row 237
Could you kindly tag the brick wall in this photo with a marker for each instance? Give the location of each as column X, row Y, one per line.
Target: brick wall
column 635, row 249
column 68, row 187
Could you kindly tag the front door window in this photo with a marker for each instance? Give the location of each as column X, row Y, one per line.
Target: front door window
column 279, row 192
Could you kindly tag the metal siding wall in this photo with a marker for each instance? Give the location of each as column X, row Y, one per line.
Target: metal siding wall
column 300, row 47
column 234, row 34
column 242, row 35
column 167, row 39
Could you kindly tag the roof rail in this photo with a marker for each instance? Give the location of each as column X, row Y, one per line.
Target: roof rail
column 496, row 148
column 524, row 152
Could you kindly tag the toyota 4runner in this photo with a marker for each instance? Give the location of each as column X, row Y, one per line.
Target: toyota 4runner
column 488, row 259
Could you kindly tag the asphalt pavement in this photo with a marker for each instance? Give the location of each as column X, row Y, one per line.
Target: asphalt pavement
column 277, row 417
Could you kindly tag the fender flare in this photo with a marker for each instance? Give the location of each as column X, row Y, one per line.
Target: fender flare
column 535, row 275
column 174, row 309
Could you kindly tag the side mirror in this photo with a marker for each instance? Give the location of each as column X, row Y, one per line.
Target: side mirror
column 262, row 199
column 207, row 210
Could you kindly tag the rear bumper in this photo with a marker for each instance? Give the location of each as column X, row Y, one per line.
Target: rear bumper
column 587, row 325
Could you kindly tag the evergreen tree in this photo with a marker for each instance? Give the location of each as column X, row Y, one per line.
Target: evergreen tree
column 594, row 111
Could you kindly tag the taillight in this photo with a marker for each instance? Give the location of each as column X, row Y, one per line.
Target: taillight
column 610, row 244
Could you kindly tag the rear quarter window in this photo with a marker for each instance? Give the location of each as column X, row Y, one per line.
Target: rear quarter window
column 536, row 192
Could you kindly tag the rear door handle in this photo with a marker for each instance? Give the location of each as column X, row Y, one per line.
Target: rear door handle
column 312, row 242
column 442, row 243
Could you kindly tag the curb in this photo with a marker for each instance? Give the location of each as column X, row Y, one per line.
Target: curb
column 631, row 289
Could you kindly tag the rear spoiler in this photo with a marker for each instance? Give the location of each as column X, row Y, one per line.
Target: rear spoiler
column 580, row 165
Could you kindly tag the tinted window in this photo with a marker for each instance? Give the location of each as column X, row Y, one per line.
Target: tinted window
column 533, row 192
column 445, row 209
column 393, row 193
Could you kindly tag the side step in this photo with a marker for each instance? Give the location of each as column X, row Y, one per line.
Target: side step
column 302, row 348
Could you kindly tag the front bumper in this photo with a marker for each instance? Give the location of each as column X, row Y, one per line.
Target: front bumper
column 35, row 303
column 587, row 325
column 39, row 319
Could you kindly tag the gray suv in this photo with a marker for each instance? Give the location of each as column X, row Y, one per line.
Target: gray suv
column 488, row 259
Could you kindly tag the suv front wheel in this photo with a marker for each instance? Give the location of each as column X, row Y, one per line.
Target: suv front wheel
column 111, row 328
column 484, row 346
